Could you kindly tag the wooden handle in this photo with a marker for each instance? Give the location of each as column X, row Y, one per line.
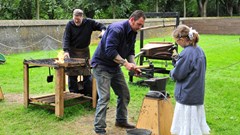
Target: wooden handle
column 143, row 66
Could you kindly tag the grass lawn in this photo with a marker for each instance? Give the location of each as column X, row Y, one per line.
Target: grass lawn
column 222, row 94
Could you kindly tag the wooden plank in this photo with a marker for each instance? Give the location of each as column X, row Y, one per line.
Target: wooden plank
column 157, row 26
column 66, row 95
column 94, row 93
column 49, row 99
column 1, row 94
column 154, row 46
column 156, row 115
column 59, row 102
column 148, row 117
column 166, row 115
column 49, row 95
column 26, row 84
column 72, row 62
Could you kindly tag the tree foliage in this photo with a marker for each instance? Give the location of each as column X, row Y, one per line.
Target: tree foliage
column 62, row 9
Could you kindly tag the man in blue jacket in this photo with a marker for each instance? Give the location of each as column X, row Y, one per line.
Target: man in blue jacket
column 116, row 45
column 76, row 39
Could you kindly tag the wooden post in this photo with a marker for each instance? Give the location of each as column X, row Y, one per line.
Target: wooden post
column 64, row 80
column 26, row 84
column 94, row 93
column 59, row 88
column 156, row 115
column 1, row 94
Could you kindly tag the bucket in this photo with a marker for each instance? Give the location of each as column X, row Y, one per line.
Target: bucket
column 138, row 131
column 2, row 59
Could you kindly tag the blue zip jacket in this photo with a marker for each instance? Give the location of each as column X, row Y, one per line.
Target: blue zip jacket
column 189, row 74
column 119, row 38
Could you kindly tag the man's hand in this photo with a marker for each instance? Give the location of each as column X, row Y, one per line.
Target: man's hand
column 174, row 57
column 129, row 66
column 66, row 55
column 137, row 72
column 132, row 67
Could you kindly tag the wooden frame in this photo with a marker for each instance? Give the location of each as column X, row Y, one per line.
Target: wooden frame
column 56, row 99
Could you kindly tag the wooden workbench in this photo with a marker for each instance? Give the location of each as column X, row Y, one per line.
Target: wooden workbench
column 57, row 99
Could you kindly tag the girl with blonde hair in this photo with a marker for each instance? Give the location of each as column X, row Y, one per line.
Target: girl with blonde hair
column 189, row 73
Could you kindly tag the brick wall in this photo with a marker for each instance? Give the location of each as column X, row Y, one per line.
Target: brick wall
column 214, row 25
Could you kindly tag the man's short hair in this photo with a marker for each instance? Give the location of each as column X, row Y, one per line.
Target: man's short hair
column 138, row 14
column 77, row 12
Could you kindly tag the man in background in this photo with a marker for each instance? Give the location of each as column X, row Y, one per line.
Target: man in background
column 76, row 41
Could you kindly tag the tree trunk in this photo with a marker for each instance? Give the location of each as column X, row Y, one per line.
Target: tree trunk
column 113, row 4
column 184, row 7
column 229, row 6
column 156, row 5
column 239, row 7
column 37, row 10
column 230, row 11
column 205, row 8
column 217, row 7
column 202, row 6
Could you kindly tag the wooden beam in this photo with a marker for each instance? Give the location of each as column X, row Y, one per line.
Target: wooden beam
column 26, row 84
column 59, row 97
column 156, row 26
column 94, row 93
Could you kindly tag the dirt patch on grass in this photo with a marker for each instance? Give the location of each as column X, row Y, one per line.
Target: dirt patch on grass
column 14, row 98
column 83, row 125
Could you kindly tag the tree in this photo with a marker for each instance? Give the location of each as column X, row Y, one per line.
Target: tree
column 185, row 9
column 25, row 9
column 202, row 6
column 229, row 4
column 9, row 9
column 113, row 8
column 238, row 7
column 37, row 8
column 217, row 7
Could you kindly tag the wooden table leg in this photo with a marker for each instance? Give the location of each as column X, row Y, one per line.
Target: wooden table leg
column 26, row 84
column 64, row 80
column 59, row 88
column 94, row 93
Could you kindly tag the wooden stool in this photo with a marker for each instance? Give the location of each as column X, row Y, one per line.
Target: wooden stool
column 156, row 115
column 1, row 94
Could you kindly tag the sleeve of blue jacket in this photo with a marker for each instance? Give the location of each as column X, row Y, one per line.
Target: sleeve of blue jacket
column 182, row 68
column 112, row 43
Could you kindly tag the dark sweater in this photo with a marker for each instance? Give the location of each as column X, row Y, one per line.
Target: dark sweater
column 80, row 36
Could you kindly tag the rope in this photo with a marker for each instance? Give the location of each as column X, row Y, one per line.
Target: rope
column 47, row 36
column 230, row 65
